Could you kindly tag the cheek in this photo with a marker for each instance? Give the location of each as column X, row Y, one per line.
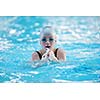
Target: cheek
column 42, row 44
column 54, row 43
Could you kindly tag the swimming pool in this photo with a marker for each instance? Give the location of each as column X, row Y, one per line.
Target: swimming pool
column 78, row 35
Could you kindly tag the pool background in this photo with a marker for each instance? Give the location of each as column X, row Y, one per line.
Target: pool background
column 78, row 35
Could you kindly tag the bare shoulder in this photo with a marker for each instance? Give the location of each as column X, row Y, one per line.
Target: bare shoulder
column 61, row 50
column 61, row 54
column 35, row 56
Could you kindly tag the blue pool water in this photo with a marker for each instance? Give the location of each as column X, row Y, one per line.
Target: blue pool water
column 78, row 35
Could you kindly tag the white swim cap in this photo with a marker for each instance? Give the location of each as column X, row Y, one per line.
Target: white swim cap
column 48, row 30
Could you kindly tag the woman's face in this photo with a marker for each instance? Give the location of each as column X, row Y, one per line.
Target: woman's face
column 48, row 41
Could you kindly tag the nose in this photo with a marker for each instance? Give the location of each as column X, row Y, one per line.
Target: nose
column 47, row 41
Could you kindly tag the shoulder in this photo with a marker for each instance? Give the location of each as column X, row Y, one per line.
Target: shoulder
column 60, row 50
column 35, row 56
column 61, row 54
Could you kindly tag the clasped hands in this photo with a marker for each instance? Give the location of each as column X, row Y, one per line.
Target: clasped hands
column 49, row 56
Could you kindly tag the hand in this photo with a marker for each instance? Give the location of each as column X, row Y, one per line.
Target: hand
column 52, row 56
column 49, row 55
column 45, row 56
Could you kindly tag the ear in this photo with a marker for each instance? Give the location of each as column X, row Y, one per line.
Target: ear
column 56, row 40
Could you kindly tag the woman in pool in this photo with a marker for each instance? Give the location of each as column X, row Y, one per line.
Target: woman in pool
column 48, row 41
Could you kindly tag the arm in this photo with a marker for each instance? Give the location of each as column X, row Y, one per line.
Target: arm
column 49, row 55
column 35, row 56
column 36, row 61
column 61, row 55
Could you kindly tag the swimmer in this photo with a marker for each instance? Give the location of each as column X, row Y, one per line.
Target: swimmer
column 48, row 40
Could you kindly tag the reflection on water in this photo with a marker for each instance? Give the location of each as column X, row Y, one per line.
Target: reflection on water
column 79, row 36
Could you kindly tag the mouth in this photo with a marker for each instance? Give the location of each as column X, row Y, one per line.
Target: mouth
column 47, row 46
